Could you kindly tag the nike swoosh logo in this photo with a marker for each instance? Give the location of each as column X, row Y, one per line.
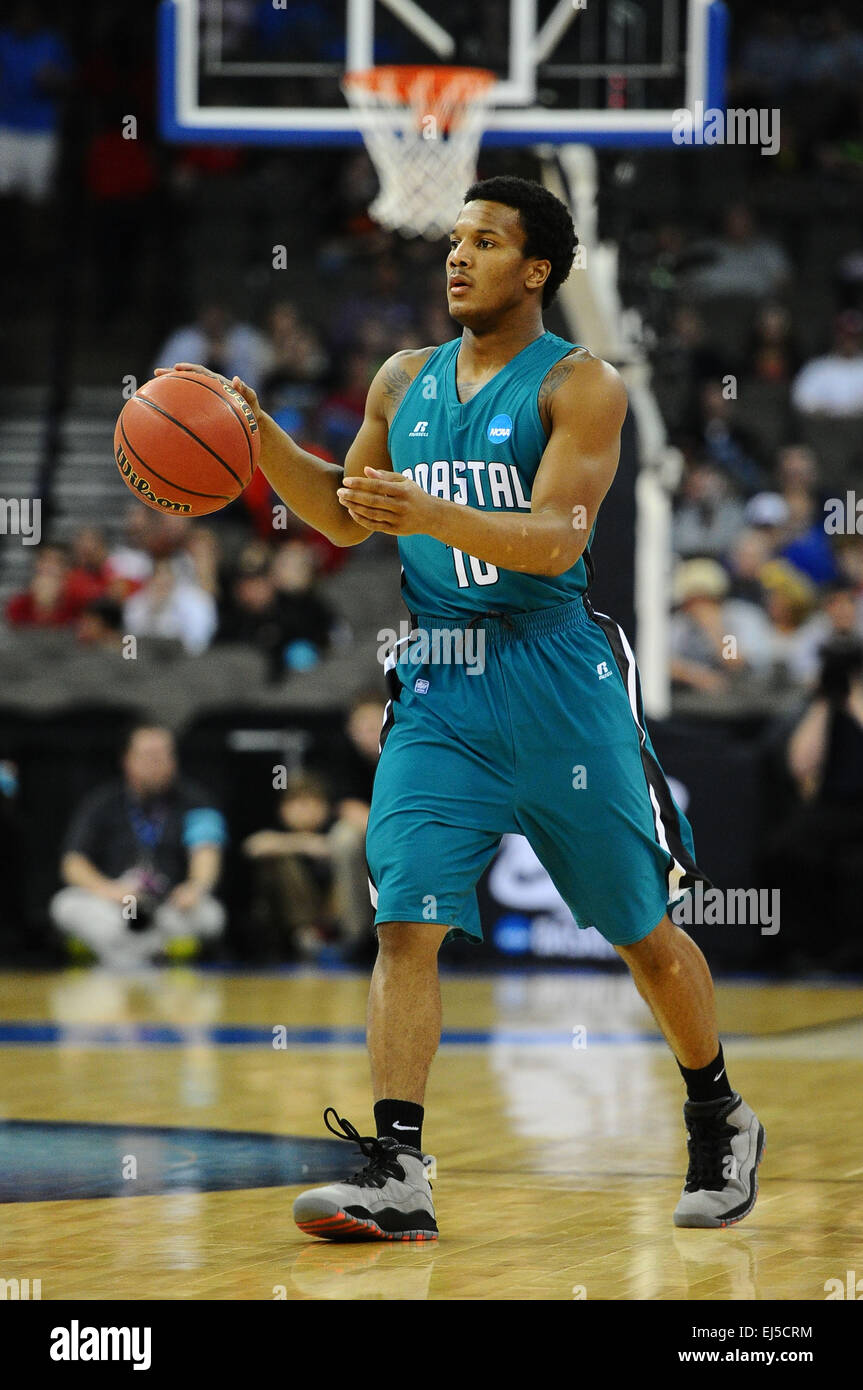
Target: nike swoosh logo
column 718, row 1074
column 396, row 1124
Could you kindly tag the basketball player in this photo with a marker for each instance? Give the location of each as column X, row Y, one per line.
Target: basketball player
column 488, row 457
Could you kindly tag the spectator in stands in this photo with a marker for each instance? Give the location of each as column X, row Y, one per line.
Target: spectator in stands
column 742, row 261
column 218, row 342
column 299, row 366
column 684, row 362
column 750, row 551
column 352, row 759
column 311, row 875
column 348, row 761
column 55, row 595
column 714, row 638
column 708, row 515
column 250, row 612
column 833, row 385
column 273, row 607
column 101, row 625
column 35, row 71
column 310, row 622
column 849, row 562
column 191, row 548
column 172, row 608
column 789, row 600
column 141, row 860
column 807, row 545
column 816, row 857
column 769, row 512
column 725, row 442
column 796, row 467
column 293, row 875
column 90, row 561
column 772, row 356
column 202, row 558
column 838, row 616
column 131, row 562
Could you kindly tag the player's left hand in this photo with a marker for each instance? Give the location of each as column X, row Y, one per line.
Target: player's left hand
column 385, row 501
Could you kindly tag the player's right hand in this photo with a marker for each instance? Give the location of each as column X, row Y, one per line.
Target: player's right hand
column 235, row 384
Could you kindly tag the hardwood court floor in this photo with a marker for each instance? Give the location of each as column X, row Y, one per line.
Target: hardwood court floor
column 558, row 1165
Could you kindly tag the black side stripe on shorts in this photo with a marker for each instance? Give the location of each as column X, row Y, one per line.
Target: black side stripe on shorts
column 394, row 686
column 682, row 871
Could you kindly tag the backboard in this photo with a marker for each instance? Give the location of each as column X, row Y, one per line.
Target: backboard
column 603, row 72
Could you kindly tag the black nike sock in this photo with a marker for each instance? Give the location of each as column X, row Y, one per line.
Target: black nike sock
column 707, row 1083
column 401, row 1120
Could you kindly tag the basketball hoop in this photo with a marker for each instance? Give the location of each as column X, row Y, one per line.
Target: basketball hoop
column 422, row 127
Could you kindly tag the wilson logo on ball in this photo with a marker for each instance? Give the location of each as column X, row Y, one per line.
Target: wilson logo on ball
column 245, row 407
column 142, row 485
column 187, row 435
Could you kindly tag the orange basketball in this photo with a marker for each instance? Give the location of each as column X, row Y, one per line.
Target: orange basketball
column 186, row 444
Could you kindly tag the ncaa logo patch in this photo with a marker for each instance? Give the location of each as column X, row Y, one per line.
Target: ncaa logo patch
column 421, row 686
column 499, row 429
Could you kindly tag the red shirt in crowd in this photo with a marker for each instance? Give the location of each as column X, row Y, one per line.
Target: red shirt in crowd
column 79, row 589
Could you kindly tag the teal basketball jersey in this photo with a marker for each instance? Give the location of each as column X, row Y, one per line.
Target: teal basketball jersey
column 481, row 453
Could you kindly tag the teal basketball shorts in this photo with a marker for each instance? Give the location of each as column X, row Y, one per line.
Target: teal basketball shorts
column 530, row 723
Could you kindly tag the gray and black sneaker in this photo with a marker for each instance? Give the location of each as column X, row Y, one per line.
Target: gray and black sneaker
column 726, row 1144
column 389, row 1199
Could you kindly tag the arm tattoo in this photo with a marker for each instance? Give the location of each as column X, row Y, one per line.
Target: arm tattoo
column 396, row 379
column 395, row 384
column 556, row 376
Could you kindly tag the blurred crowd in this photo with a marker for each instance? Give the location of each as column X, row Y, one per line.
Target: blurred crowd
column 750, row 290
column 142, row 862
column 186, row 587
column 766, row 536
column 761, row 388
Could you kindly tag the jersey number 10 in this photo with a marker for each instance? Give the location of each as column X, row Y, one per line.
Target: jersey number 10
column 482, row 572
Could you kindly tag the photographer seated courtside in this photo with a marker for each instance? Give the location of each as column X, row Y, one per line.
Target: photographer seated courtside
column 141, row 861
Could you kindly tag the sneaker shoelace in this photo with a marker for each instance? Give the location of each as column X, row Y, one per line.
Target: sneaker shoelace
column 383, row 1163
column 709, row 1144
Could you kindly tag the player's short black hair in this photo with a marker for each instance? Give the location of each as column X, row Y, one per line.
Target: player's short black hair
column 548, row 231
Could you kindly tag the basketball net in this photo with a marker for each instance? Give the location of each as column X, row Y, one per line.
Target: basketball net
column 422, row 127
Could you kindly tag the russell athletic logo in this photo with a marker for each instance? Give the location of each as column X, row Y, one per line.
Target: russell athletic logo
column 420, row 430
column 499, row 428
